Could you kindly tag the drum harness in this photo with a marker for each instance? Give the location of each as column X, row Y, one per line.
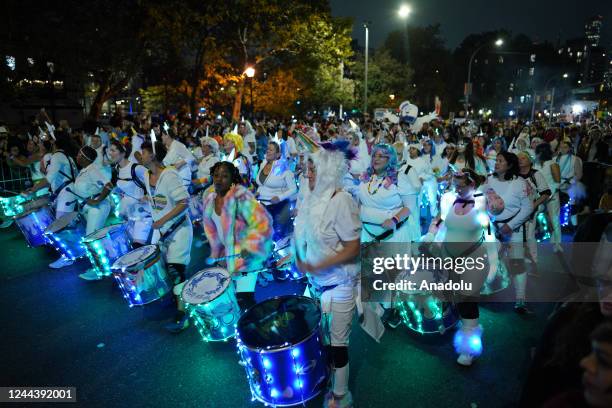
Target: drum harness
column 69, row 178
column 386, row 234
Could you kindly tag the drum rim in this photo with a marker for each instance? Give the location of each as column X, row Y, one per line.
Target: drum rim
column 31, row 211
column 155, row 256
column 86, row 238
column 265, row 350
column 76, row 217
column 229, row 282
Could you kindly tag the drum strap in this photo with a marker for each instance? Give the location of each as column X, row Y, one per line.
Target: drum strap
column 173, row 227
column 384, row 235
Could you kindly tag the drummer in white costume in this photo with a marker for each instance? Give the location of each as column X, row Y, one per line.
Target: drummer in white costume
column 169, row 198
column 61, row 174
column 276, row 185
column 430, row 173
column 383, row 207
column 327, row 246
column 410, row 186
column 129, row 183
column 91, row 191
column 513, row 192
column 178, row 156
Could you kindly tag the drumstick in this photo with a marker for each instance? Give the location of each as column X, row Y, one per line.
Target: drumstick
column 210, row 261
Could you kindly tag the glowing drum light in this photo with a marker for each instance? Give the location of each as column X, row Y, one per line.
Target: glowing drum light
column 65, row 235
column 211, row 303
column 33, row 224
column 142, row 275
column 105, row 246
column 280, row 345
column 421, row 311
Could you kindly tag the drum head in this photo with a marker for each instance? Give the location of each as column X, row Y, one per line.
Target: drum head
column 205, row 286
column 62, row 223
column 276, row 322
column 102, row 232
column 135, row 257
column 37, row 203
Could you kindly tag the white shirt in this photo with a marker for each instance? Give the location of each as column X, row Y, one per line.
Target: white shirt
column 131, row 206
column 280, row 182
column 546, row 171
column 205, row 165
column 179, row 152
column 59, row 170
column 517, row 203
column 409, row 184
column 90, row 182
column 137, row 141
column 337, row 221
column 422, row 165
column 291, row 146
column 249, row 138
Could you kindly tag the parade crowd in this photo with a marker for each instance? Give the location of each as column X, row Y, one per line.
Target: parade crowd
column 297, row 199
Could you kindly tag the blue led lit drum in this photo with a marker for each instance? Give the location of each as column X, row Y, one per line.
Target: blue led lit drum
column 195, row 207
column 142, row 275
column 105, row 246
column 211, row 303
column 12, row 205
column 282, row 220
column 281, row 345
column 421, row 310
column 33, row 224
column 65, row 235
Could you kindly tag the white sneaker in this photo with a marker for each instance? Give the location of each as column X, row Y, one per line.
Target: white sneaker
column 61, row 262
column 90, row 275
column 465, row 360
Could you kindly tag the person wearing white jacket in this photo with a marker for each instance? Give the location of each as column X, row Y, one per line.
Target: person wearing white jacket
column 277, row 190
column 178, row 156
column 512, row 193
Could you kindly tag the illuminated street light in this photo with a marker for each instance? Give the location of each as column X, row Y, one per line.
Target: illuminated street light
column 499, row 42
column 404, row 11
column 250, row 72
column 565, row 75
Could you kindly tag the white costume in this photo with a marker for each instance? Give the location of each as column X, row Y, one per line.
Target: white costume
column 206, row 165
column 537, row 186
column 280, row 182
column 179, row 152
column 132, row 208
column 165, row 195
column 553, row 205
column 61, row 174
column 137, row 141
column 378, row 204
column 89, row 184
column 410, row 185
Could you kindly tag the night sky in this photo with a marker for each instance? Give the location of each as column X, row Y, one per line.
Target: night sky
column 539, row 19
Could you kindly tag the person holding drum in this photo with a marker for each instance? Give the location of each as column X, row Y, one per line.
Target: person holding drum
column 90, row 190
column 327, row 239
column 61, row 174
column 276, row 191
column 169, row 198
column 463, row 229
column 178, row 156
column 238, row 229
column 129, row 181
column 510, row 224
column 384, row 208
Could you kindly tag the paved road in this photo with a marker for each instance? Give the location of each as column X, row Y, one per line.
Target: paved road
column 58, row 330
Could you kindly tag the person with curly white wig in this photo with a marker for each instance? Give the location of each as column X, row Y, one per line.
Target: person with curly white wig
column 327, row 231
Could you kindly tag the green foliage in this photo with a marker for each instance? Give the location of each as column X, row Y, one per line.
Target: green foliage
column 386, row 76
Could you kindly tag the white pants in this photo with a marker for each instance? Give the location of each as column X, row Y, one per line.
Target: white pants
column 430, row 189
column 414, row 220
column 95, row 216
column 139, row 230
column 177, row 247
column 553, row 208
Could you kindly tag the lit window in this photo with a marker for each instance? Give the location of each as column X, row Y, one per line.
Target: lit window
column 522, row 99
column 532, row 58
column 10, row 62
column 509, row 99
column 500, row 60
column 531, row 71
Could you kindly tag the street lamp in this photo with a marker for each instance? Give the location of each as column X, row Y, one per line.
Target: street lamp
column 250, row 72
column 468, row 86
column 404, row 11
